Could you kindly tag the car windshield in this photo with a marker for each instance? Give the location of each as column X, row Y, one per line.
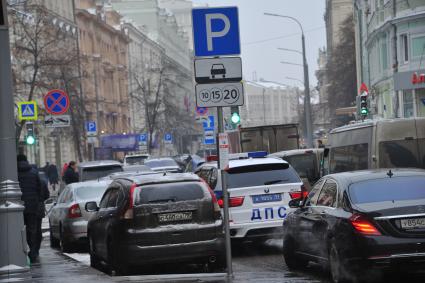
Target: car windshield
column 168, row 192
column 260, row 175
column 92, row 173
column 92, row 191
column 304, row 164
column 388, row 189
column 135, row 160
column 161, row 163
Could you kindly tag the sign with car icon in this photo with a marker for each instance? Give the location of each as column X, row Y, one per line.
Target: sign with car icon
column 218, row 70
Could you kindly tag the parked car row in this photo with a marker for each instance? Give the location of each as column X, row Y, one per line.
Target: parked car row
column 349, row 222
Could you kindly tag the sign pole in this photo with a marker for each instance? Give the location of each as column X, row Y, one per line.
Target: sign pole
column 225, row 197
column 13, row 259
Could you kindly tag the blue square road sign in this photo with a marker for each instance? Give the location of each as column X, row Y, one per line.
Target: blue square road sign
column 216, row 31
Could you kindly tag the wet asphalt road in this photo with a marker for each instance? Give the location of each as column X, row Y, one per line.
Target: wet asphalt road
column 251, row 263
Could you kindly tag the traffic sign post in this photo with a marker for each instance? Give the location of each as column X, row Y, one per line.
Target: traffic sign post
column 216, row 70
column 201, row 110
column 143, row 139
column 209, row 136
column 216, row 33
column 57, row 121
column 27, row 110
column 91, row 128
column 219, row 95
column 168, row 138
column 56, row 102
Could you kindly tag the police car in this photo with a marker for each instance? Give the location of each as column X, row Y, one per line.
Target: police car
column 259, row 190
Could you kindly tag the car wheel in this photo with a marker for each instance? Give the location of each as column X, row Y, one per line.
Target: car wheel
column 115, row 267
column 54, row 243
column 94, row 261
column 336, row 267
column 292, row 260
column 64, row 245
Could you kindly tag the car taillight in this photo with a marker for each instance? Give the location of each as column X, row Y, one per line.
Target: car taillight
column 363, row 226
column 299, row 194
column 217, row 213
column 74, row 211
column 233, row 201
column 128, row 214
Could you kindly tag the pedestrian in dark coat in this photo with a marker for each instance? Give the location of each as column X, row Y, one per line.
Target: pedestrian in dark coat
column 53, row 176
column 71, row 174
column 30, row 185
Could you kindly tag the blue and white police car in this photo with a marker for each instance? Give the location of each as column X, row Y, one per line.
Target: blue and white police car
column 259, row 190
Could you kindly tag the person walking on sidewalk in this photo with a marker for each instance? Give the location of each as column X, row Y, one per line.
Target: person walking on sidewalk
column 30, row 184
column 71, row 175
column 53, row 176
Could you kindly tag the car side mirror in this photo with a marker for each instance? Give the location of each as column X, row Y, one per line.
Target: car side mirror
column 295, row 203
column 91, row 206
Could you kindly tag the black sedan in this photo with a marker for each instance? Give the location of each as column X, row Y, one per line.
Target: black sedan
column 358, row 221
column 156, row 219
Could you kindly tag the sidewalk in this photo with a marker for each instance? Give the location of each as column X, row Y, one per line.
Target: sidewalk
column 54, row 267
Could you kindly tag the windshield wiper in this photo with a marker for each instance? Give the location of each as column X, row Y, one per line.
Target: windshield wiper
column 275, row 182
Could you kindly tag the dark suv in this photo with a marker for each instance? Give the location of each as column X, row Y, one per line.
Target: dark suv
column 153, row 219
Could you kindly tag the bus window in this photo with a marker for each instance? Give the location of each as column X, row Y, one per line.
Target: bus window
column 349, row 158
column 401, row 153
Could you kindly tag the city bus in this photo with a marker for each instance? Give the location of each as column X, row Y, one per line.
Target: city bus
column 386, row 143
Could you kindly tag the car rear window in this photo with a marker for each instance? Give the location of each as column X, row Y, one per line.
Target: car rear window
column 389, row 189
column 161, row 163
column 168, row 192
column 135, row 160
column 260, row 175
column 92, row 173
column 91, row 191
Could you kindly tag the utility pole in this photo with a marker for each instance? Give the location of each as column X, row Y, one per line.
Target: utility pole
column 307, row 105
column 13, row 259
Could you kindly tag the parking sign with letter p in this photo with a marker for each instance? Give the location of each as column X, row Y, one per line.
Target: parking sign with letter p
column 216, row 31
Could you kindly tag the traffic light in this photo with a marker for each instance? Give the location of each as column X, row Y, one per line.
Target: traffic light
column 235, row 118
column 364, row 110
column 30, row 137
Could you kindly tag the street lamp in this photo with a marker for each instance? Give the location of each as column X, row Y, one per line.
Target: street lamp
column 290, row 50
column 290, row 63
column 307, row 106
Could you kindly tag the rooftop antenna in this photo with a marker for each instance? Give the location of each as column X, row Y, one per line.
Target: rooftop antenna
column 390, row 173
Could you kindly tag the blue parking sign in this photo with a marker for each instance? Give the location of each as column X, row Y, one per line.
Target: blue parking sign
column 216, row 31
column 168, row 138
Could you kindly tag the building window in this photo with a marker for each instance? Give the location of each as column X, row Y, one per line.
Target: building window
column 418, row 46
column 408, row 103
column 404, row 42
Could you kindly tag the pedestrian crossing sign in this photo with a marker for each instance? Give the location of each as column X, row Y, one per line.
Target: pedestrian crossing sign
column 27, row 110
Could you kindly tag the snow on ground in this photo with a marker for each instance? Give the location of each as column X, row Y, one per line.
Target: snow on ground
column 84, row 258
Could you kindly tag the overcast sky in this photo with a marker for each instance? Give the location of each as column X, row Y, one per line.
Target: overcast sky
column 261, row 36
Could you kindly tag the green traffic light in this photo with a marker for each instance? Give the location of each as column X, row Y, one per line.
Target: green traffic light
column 236, row 118
column 30, row 140
column 364, row 111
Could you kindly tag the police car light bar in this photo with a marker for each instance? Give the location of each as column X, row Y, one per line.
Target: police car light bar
column 257, row 154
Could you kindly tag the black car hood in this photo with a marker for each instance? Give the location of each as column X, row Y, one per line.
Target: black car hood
column 390, row 208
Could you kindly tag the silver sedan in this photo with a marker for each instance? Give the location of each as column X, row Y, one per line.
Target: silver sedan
column 68, row 217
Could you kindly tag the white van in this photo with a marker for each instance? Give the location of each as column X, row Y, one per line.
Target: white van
column 385, row 143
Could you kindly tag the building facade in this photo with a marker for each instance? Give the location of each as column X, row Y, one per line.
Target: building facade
column 336, row 12
column 54, row 65
column 104, row 64
column 390, row 42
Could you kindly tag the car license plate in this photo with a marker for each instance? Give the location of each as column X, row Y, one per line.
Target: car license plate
column 266, row 198
column 413, row 223
column 174, row 217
